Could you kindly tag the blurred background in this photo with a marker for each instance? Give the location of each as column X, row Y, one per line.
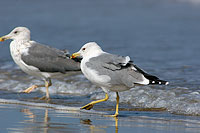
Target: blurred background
column 160, row 36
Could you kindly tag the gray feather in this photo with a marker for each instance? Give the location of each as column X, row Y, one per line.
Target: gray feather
column 114, row 67
column 48, row 59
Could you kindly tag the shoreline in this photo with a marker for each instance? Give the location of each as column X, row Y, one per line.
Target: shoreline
column 24, row 118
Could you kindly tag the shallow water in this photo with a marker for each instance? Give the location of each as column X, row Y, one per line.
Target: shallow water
column 55, row 118
column 161, row 37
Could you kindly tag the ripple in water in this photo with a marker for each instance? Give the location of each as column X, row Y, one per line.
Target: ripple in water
column 175, row 99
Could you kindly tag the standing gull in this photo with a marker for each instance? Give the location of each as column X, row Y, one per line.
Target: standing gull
column 111, row 72
column 38, row 60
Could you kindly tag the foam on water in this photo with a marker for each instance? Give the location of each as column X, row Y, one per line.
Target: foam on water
column 175, row 99
column 187, row 103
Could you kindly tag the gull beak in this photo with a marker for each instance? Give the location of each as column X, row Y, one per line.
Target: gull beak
column 74, row 55
column 3, row 38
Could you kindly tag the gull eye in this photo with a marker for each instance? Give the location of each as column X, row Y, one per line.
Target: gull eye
column 16, row 32
column 83, row 49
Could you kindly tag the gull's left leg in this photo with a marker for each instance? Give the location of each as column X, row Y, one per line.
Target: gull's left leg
column 117, row 107
column 28, row 90
column 47, row 85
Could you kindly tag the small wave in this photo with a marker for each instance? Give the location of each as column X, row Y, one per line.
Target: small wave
column 8, row 65
column 175, row 99
column 44, row 105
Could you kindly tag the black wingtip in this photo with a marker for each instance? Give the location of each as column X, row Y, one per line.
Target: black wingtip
column 152, row 79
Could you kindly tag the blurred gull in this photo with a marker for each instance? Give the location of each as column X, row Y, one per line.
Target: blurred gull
column 111, row 72
column 38, row 60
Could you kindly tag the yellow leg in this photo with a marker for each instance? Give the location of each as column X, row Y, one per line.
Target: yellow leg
column 90, row 105
column 47, row 89
column 47, row 84
column 28, row 90
column 117, row 107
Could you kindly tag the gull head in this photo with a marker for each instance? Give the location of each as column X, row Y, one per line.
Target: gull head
column 88, row 50
column 19, row 34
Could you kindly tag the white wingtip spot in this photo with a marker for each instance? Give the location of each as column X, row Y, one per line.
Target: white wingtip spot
column 166, row 83
column 153, row 82
column 160, row 83
column 127, row 59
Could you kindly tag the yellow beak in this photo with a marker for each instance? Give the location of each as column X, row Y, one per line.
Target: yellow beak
column 74, row 55
column 3, row 38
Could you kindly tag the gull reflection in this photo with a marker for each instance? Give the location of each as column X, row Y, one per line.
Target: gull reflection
column 28, row 114
column 95, row 128
column 116, row 124
column 46, row 121
column 33, row 119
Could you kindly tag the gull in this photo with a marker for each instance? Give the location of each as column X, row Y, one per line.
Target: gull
column 111, row 72
column 37, row 59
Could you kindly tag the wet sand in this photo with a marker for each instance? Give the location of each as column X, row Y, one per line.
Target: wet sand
column 26, row 118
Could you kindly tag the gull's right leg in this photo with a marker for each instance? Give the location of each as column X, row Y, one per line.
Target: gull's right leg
column 90, row 105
